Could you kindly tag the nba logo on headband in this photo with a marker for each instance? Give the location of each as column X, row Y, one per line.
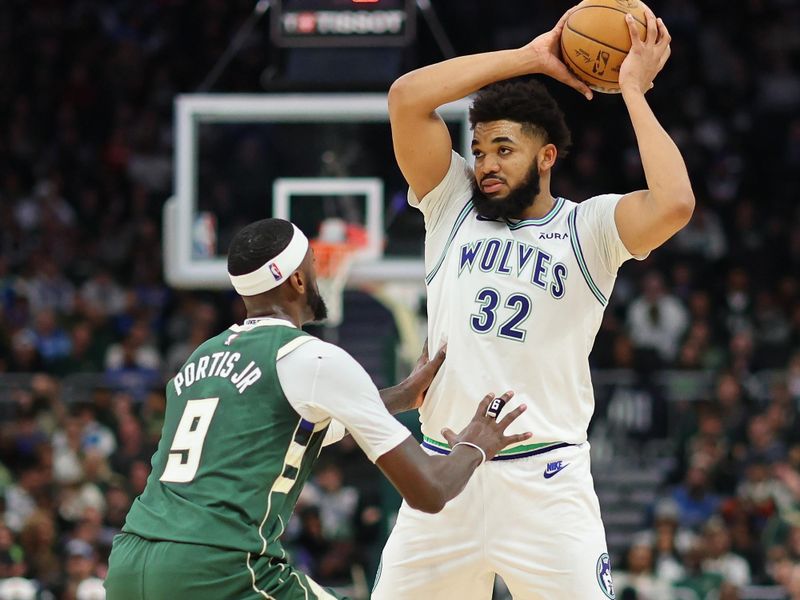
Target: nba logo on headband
column 276, row 272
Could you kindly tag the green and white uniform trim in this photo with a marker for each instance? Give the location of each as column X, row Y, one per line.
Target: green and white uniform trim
column 520, row 451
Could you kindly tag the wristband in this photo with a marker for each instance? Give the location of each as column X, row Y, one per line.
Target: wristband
column 478, row 448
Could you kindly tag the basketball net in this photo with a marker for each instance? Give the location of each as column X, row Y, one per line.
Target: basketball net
column 334, row 252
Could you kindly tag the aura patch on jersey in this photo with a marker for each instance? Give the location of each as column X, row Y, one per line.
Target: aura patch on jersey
column 604, row 576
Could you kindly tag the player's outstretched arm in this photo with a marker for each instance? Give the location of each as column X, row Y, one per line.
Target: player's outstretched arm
column 421, row 141
column 409, row 393
column 646, row 219
column 428, row 482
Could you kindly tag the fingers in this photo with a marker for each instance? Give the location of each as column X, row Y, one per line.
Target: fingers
column 423, row 358
column 652, row 27
column 449, row 436
column 664, row 57
column 633, row 30
column 517, row 438
column 563, row 20
column 440, row 356
column 512, row 416
column 565, row 76
column 664, row 38
column 496, row 405
column 483, row 405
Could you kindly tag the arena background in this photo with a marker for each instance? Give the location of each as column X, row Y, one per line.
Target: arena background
column 695, row 442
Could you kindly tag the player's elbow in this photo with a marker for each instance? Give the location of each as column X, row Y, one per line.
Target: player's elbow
column 429, row 497
column 673, row 207
column 429, row 504
column 398, row 95
column 405, row 98
column 683, row 208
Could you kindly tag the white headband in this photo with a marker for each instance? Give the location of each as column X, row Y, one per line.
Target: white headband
column 276, row 270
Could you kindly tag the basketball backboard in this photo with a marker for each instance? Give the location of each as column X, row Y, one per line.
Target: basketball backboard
column 234, row 152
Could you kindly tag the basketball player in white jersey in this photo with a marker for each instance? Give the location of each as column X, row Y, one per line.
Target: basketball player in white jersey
column 517, row 282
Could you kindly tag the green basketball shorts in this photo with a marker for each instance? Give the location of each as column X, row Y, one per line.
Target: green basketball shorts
column 140, row 569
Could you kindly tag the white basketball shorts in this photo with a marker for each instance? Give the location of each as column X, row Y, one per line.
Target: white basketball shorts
column 535, row 521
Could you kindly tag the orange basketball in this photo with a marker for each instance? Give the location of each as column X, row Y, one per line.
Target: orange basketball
column 595, row 40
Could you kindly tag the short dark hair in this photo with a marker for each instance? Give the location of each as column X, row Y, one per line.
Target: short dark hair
column 256, row 243
column 526, row 101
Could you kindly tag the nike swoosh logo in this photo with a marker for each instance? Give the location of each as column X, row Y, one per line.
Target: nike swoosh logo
column 548, row 473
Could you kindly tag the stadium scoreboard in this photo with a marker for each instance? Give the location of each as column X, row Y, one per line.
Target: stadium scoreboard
column 342, row 23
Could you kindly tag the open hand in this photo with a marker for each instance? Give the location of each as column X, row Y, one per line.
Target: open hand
column 487, row 431
column 547, row 51
column 645, row 58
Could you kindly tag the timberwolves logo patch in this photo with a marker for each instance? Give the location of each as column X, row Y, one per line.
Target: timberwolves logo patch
column 276, row 272
column 604, row 575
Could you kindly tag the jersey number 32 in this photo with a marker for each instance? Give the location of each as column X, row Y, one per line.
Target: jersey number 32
column 519, row 309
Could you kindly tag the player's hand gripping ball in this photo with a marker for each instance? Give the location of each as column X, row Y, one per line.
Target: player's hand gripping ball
column 596, row 39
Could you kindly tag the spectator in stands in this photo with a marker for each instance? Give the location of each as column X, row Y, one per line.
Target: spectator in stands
column 696, row 501
column 49, row 288
column 38, row 540
column 669, row 541
column 21, row 497
column 324, row 558
column 719, row 557
column 51, row 340
column 637, row 578
column 81, row 566
column 84, row 356
column 131, row 445
column 12, row 557
column 68, row 452
column 101, row 293
column 95, row 437
column 697, row 583
column 657, row 320
column 737, row 301
column 336, row 502
column 703, row 237
column 733, row 406
column 793, row 585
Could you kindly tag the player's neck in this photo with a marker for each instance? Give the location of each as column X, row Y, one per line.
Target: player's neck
column 542, row 204
column 274, row 312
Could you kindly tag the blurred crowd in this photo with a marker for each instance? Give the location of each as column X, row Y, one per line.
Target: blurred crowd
column 86, row 91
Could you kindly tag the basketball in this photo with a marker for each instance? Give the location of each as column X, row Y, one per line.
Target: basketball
column 595, row 40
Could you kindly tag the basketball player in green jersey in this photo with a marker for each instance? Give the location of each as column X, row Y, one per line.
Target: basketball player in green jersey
column 247, row 416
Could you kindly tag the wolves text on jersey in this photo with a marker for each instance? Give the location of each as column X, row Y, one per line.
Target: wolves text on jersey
column 514, row 259
column 218, row 364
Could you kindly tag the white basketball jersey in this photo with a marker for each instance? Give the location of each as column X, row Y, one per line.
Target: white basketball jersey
column 519, row 305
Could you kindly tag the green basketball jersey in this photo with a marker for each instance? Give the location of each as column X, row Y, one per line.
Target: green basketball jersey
column 233, row 454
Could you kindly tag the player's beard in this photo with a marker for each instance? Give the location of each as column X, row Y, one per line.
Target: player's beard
column 317, row 304
column 510, row 207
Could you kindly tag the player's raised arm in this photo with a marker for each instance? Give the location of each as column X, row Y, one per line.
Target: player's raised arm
column 421, row 141
column 428, row 482
column 646, row 219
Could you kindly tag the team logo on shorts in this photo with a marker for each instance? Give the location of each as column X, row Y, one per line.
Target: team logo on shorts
column 276, row 272
column 604, row 575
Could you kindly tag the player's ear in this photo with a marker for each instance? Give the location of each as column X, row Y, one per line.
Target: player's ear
column 297, row 281
column 546, row 157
